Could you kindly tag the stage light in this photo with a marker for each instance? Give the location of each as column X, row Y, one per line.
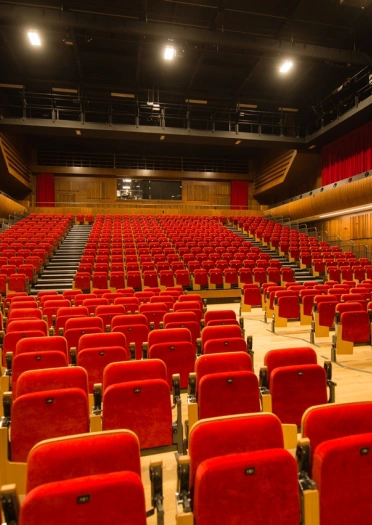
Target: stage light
column 34, row 38
column 286, row 66
column 169, row 53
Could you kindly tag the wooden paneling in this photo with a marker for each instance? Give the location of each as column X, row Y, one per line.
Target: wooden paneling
column 356, row 193
column 9, row 207
column 206, row 192
column 16, row 164
column 274, row 171
column 155, row 208
column 84, row 189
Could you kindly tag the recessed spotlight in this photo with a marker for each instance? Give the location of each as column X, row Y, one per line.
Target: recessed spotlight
column 169, row 53
column 313, row 146
column 237, row 142
column 286, row 66
column 77, row 131
column 34, row 38
column 162, row 137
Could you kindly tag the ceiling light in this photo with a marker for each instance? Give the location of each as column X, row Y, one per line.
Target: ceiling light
column 196, row 101
column 126, row 187
column 12, row 86
column 237, row 142
column 34, row 38
column 313, row 146
column 169, row 53
column 123, row 95
column 289, row 110
column 286, row 66
column 78, row 132
column 248, row 106
column 162, row 137
column 127, row 180
column 64, row 90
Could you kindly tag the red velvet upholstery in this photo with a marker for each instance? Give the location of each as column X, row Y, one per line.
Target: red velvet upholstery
column 228, row 393
column 99, row 340
column 327, row 311
column 252, row 296
column 113, row 498
column 170, row 336
column 134, row 371
column 141, row 406
column 66, row 313
column 228, row 344
column 219, row 314
column 95, row 360
column 219, row 332
column 289, row 357
column 342, row 470
column 288, row 306
column 84, row 455
column 189, row 306
column 35, row 361
column 332, row 421
column 217, row 363
column 120, row 320
column 230, row 435
column 46, row 415
column 12, row 338
column 296, row 388
column 154, row 312
column 25, row 325
column 226, row 493
column 356, row 327
column 42, row 344
column 179, row 357
column 52, row 379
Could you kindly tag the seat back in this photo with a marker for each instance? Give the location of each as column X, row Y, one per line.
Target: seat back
column 349, row 459
column 356, row 327
column 95, row 360
column 55, row 413
column 85, row 454
column 228, row 393
column 329, row 422
column 58, row 503
column 142, row 406
column 168, row 336
column 227, row 344
column 271, row 472
column 215, row 315
column 220, row 332
column 289, row 357
column 296, row 388
column 179, row 358
column 221, row 362
column 102, row 339
column 133, row 371
column 52, row 379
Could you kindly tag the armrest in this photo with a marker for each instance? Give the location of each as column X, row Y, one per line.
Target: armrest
column 152, row 325
column 2, row 332
column 250, row 349
column 328, row 369
column 132, row 351
column 107, row 328
column 145, row 348
column 161, row 325
column 73, row 354
column 183, row 488
column 192, row 385
column 7, row 409
column 177, row 425
column 241, row 323
column 198, row 346
column 263, row 377
column 309, row 500
column 156, row 479
column 10, row 503
column 303, row 455
column 97, row 398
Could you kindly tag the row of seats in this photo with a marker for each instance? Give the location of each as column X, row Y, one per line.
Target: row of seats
column 249, row 452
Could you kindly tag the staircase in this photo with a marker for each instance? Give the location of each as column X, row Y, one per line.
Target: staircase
column 60, row 272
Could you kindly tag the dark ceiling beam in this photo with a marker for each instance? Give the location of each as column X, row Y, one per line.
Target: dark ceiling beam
column 12, row 15
column 217, row 21
column 10, row 50
column 196, row 69
column 143, row 15
column 77, row 58
column 139, row 63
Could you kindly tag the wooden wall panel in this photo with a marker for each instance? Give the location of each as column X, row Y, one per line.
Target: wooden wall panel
column 274, row 171
column 9, row 207
column 356, row 193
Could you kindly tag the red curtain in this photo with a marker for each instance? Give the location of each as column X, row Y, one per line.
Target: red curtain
column 239, row 195
column 347, row 156
column 45, row 196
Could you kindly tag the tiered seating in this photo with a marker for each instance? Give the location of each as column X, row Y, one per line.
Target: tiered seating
column 26, row 248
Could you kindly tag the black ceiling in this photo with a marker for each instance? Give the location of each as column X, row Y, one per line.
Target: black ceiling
column 228, row 51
